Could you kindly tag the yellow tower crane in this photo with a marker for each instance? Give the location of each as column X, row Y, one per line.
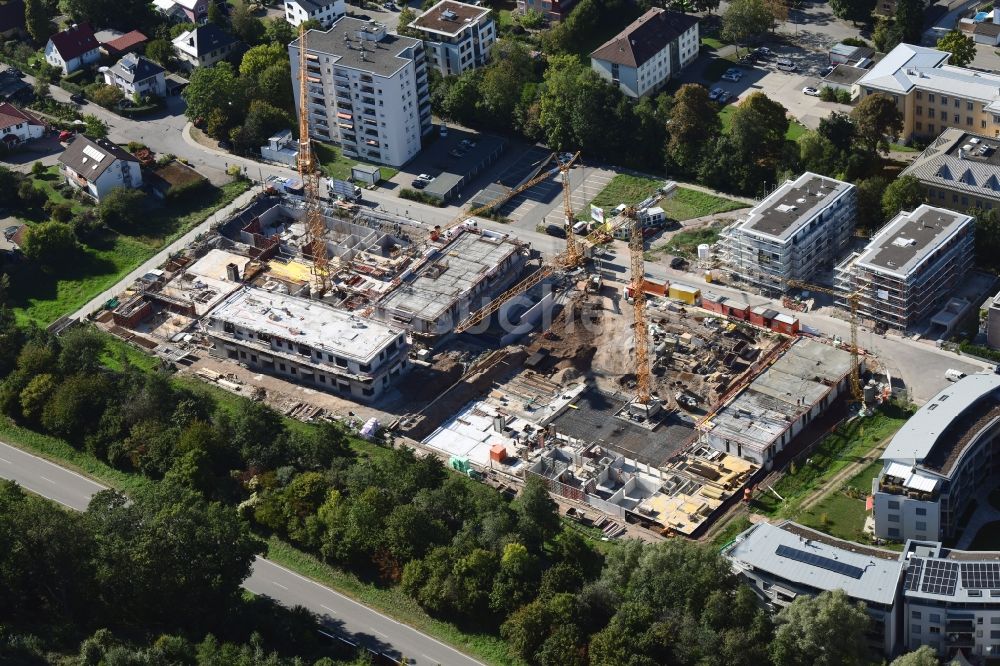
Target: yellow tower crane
column 315, row 241
column 636, row 248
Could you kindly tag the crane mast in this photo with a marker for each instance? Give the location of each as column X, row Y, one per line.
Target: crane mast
column 636, row 249
column 315, row 241
column 572, row 257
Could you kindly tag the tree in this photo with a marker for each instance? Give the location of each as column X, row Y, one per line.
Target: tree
column 38, row 169
column 406, row 19
column 50, row 244
column 37, row 20
column 215, row 89
column 818, row 154
column 557, row 99
column 910, row 20
column 8, row 186
column 121, row 209
column 107, row 96
column 925, row 655
column 160, row 51
column 94, row 127
column 279, row 31
column 826, row 630
column 744, row 20
column 886, row 35
column 905, row 193
column 517, row 580
column 870, row 191
column 81, row 350
column 877, row 122
column 693, row 122
column 853, row 10
column 537, row 513
column 961, row 48
column 838, row 129
column 247, row 27
column 75, row 408
column 215, row 14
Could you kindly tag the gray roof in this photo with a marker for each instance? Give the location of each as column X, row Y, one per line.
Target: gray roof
column 909, row 239
column 939, row 164
column 758, row 547
column 907, row 67
column 311, row 6
column 81, row 156
column 793, row 205
column 134, row 68
column 381, row 57
column 916, row 440
column 205, row 38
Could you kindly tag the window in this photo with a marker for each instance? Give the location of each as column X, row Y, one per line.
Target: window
column 968, row 121
column 935, row 617
column 930, row 97
column 894, row 504
column 944, row 101
column 930, row 113
column 893, row 532
column 921, row 511
column 919, row 125
column 916, row 615
column 958, row 104
column 281, row 366
column 920, row 95
column 367, row 391
column 957, row 118
column 968, row 106
column 920, row 110
column 921, row 526
column 892, row 517
column 915, row 628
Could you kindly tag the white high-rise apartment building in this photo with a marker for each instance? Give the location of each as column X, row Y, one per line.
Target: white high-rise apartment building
column 458, row 37
column 368, row 90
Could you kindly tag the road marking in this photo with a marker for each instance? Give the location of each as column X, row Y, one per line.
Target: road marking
column 4, row 460
column 279, row 585
column 379, row 632
column 45, row 478
column 51, row 464
column 328, row 608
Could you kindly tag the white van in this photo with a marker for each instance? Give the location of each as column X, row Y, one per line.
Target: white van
column 580, row 228
column 953, row 375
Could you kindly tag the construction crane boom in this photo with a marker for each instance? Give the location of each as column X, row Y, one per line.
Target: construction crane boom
column 573, row 257
column 636, row 248
column 315, row 241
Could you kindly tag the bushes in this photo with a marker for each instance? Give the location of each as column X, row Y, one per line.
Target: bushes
column 417, row 195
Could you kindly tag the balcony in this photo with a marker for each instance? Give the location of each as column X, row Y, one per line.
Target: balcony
column 368, row 90
column 368, row 100
column 366, row 79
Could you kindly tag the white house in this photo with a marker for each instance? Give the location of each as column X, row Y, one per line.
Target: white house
column 642, row 57
column 457, row 36
column 97, row 167
column 204, row 46
column 324, row 11
column 135, row 74
column 72, row 49
column 16, row 126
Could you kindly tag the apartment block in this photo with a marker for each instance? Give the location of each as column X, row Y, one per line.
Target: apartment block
column 960, row 170
column 309, row 342
column 933, row 95
column 799, row 228
column 642, row 57
column 457, row 37
column 910, row 266
column 324, row 11
column 368, row 90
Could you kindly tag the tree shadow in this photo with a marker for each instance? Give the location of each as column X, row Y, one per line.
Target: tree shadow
column 30, row 282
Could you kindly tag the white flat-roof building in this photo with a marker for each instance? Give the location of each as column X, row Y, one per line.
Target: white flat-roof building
column 457, row 36
column 800, row 227
column 309, row 342
column 324, row 11
column 368, row 90
column 910, row 266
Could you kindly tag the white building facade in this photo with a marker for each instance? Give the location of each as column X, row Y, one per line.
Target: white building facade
column 457, row 36
column 300, row 11
column 97, row 167
column 368, row 91
column 136, row 75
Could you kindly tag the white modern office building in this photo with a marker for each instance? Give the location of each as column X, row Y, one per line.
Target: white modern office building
column 801, row 227
column 642, row 57
column 368, row 90
column 324, row 11
column 457, row 36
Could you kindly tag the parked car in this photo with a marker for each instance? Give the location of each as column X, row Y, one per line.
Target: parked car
column 809, row 90
column 420, row 183
column 444, row 130
column 826, row 71
column 391, row 6
column 555, row 230
column 65, row 135
column 732, row 75
column 467, row 144
column 425, row 176
column 764, row 52
column 78, row 98
column 725, row 97
column 716, row 92
column 786, row 66
column 565, row 157
column 678, row 263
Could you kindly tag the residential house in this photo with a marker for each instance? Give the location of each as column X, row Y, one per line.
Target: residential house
column 553, row 10
column 324, row 11
column 959, row 170
column 642, row 57
column 171, row 11
column 457, row 36
column 282, row 148
column 183, row 11
column 73, row 48
column 137, row 75
column 367, row 90
column 933, row 95
column 12, row 19
column 204, row 46
column 130, row 42
column 17, row 126
column 99, row 166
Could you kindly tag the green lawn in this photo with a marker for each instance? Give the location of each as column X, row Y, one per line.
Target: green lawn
column 43, row 296
column 847, row 444
column 713, row 42
column 730, row 532
column 838, row 515
column 898, row 147
column 505, row 19
column 685, row 243
column 686, row 204
column 625, row 189
column 795, row 128
column 334, row 165
column 117, row 349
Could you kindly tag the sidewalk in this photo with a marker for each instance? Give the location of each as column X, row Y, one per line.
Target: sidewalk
column 160, row 257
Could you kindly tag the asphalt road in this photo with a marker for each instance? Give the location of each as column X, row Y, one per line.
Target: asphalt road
column 340, row 614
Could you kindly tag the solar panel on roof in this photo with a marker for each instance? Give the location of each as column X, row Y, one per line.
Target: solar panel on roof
column 981, row 575
column 827, row 563
column 913, row 573
column 940, row 577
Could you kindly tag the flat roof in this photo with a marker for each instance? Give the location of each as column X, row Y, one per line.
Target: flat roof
column 804, row 557
column 450, row 275
column 845, row 74
column 449, row 17
column 908, row 239
column 381, row 57
column 792, row 205
column 916, row 440
column 306, row 322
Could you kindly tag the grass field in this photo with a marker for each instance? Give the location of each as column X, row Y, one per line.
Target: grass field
column 845, row 445
column 730, row 531
column 713, row 42
column 334, row 164
column 795, row 128
column 685, row 243
column 626, row 189
column 43, row 296
column 843, row 513
column 687, row 204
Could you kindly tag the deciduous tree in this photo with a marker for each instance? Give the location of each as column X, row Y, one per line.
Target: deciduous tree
column 38, row 20
column 161, row 51
column 693, row 123
column 50, row 244
column 853, row 10
column 877, row 122
column 961, row 47
column 826, row 630
column 744, row 20
column 904, row 193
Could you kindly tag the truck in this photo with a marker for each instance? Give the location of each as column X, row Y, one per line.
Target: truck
column 345, row 189
column 953, row 375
